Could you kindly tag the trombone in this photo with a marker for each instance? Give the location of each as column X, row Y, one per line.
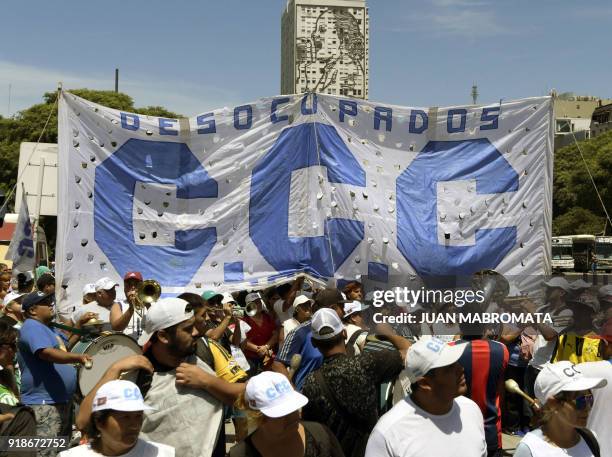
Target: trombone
column 149, row 292
column 249, row 310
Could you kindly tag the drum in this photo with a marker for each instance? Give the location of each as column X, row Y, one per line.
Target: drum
column 104, row 351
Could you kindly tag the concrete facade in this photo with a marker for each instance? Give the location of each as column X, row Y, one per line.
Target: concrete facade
column 325, row 47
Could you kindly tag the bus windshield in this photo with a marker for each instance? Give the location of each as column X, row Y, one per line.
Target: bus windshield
column 562, row 252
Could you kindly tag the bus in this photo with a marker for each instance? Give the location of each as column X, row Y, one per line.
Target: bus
column 583, row 248
column 562, row 254
column 603, row 253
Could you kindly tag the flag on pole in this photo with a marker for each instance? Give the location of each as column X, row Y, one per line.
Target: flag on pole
column 21, row 249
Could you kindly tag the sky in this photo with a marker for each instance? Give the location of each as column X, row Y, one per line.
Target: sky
column 193, row 56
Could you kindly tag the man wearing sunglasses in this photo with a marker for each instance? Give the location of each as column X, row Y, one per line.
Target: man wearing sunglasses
column 565, row 395
column 48, row 379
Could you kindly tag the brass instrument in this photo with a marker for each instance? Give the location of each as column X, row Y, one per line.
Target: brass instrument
column 149, row 292
column 494, row 286
column 249, row 310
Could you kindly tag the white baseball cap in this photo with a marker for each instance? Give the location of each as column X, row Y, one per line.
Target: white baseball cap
column 579, row 284
column 162, row 314
column 273, row 395
column 227, row 298
column 105, row 284
column 89, row 289
column 10, row 297
column 253, row 296
column 559, row 282
column 605, row 291
column 354, row 307
column 300, row 300
column 563, row 377
column 425, row 355
column 119, row 395
column 326, row 318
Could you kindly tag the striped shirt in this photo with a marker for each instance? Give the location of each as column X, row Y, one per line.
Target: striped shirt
column 485, row 362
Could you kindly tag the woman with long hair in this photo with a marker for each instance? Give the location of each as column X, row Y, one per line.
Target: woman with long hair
column 275, row 408
column 9, row 391
column 565, row 397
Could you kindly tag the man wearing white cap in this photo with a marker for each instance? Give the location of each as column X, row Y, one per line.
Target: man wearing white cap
column 435, row 419
column 565, row 395
column 356, row 328
column 343, row 393
column 301, row 311
column 117, row 416
column 185, row 391
column 100, row 308
column 12, row 309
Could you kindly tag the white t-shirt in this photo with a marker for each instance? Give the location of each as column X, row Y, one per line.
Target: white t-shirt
column 186, row 418
column 542, row 349
column 136, row 324
column 282, row 315
column 600, row 416
column 409, row 431
column 93, row 307
column 290, row 324
column 534, row 445
column 359, row 341
column 142, row 449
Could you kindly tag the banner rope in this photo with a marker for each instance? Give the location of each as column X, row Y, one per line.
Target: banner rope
column 593, row 182
column 19, row 176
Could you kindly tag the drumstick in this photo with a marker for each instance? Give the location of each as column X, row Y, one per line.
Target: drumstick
column 513, row 387
column 294, row 365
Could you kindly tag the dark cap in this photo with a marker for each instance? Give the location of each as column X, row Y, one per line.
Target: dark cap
column 33, row 299
column 327, row 297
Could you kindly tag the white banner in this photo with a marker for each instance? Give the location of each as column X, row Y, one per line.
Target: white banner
column 21, row 249
column 336, row 188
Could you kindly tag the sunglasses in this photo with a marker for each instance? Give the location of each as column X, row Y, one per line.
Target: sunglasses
column 581, row 402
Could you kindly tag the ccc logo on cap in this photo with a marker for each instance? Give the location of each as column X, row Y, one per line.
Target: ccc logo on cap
column 570, row 372
column 278, row 390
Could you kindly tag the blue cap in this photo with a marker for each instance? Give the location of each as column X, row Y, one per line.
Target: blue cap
column 33, row 299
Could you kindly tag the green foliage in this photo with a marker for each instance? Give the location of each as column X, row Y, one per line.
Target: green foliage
column 576, row 221
column 573, row 189
column 27, row 125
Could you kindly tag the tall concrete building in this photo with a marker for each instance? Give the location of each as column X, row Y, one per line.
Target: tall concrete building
column 325, row 47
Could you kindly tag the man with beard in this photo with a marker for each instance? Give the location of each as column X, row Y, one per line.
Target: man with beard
column 435, row 419
column 184, row 391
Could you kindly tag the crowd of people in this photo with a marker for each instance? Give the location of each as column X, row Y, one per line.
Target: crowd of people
column 303, row 370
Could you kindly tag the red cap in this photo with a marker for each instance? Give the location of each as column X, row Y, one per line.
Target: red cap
column 132, row 275
column 605, row 333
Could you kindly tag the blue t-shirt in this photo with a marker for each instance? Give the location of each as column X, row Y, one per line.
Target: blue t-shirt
column 42, row 382
column 298, row 342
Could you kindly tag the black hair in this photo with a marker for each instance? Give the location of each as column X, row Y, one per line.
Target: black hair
column 8, row 335
column 45, row 280
column 194, row 300
column 283, row 289
column 326, row 345
column 92, row 431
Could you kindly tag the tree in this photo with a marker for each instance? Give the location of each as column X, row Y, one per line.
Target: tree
column 28, row 125
column 573, row 189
